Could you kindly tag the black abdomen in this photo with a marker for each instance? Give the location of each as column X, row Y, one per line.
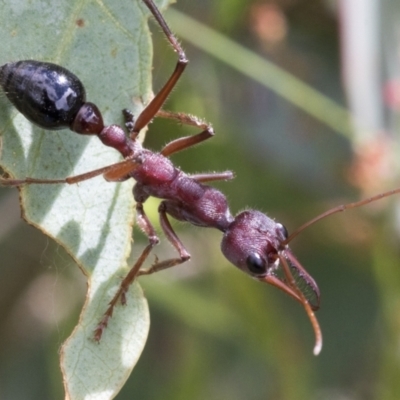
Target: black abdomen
column 48, row 95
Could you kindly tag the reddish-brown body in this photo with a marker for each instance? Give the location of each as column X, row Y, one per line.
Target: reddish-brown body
column 185, row 199
column 252, row 241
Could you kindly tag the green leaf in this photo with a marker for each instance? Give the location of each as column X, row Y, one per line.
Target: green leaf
column 107, row 44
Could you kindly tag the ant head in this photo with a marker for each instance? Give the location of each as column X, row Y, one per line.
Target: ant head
column 258, row 246
column 252, row 243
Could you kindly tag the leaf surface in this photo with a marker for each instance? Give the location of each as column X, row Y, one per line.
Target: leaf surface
column 108, row 45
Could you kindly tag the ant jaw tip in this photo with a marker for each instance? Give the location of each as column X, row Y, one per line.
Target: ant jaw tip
column 317, row 348
column 314, row 307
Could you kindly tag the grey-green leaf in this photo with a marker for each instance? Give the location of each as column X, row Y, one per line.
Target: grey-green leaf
column 107, row 44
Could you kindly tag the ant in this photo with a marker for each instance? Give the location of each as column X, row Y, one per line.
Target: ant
column 51, row 97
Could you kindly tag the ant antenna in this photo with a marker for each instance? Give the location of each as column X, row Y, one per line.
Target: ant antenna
column 337, row 209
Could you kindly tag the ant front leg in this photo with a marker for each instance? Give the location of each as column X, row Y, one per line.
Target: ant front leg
column 146, row 226
column 174, row 240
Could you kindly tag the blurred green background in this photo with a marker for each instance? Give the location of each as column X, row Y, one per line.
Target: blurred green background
column 215, row 333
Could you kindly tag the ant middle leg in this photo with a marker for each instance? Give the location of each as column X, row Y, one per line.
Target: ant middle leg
column 113, row 173
column 174, row 240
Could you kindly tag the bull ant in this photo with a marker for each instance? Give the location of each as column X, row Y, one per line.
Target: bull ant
column 53, row 98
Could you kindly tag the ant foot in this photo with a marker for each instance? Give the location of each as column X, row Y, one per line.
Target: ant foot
column 98, row 332
column 121, row 295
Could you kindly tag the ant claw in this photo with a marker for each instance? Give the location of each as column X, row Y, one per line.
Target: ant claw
column 98, row 332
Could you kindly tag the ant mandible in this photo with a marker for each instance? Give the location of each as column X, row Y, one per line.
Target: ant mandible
column 53, row 98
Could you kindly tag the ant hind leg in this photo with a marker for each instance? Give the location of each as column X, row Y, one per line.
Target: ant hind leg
column 146, row 226
column 157, row 102
column 187, row 141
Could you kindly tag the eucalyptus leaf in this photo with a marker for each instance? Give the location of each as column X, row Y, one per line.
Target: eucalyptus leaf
column 108, row 45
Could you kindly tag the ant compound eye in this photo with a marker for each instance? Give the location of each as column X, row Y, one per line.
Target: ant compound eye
column 255, row 264
column 282, row 231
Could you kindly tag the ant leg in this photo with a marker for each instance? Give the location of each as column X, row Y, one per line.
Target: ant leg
column 182, row 118
column 156, row 103
column 181, row 143
column 174, row 240
column 114, row 172
column 187, row 141
column 214, row 176
column 146, row 226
